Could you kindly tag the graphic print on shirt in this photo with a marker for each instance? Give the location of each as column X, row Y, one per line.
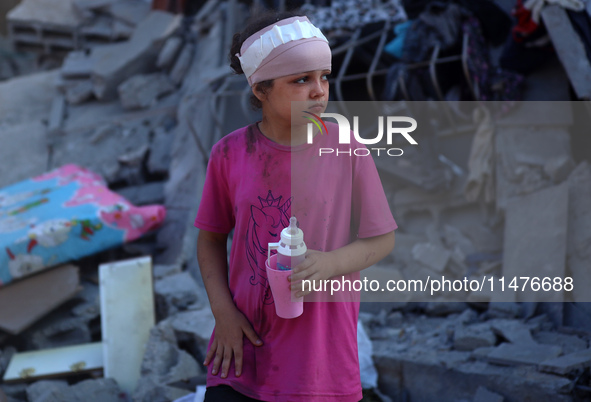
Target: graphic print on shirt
column 265, row 225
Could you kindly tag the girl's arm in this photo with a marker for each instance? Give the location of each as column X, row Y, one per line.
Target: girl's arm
column 230, row 324
column 353, row 257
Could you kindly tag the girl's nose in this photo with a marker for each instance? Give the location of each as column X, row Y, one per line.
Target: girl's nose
column 318, row 89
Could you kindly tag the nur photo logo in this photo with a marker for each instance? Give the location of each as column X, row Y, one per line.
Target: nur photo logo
column 387, row 125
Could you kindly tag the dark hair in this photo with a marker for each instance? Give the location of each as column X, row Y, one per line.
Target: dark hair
column 254, row 25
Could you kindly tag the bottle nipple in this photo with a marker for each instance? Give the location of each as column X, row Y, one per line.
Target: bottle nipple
column 293, row 226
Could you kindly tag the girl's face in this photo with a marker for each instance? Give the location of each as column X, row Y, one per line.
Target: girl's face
column 309, row 87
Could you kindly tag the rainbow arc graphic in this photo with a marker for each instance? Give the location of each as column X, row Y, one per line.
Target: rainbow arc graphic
column 315, row 119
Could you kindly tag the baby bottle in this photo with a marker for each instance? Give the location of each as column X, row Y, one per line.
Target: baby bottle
column 291, row 250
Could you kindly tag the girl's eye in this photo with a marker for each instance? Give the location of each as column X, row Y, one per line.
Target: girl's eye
column 326, row 76
column 301, row 80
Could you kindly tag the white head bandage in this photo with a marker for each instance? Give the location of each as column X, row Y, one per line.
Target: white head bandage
column 290, row 46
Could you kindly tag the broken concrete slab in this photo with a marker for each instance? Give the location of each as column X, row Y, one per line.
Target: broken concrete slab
column 431, row 255
column 143, row 90
column 114, row 63
column 468, row 338
column 524, row 353
column 169, row 52
column 535, row 241
column 36, row 296
column 56, row 331
column 162, row 364
column 484, row 395
column 565, row 364
column 579, row 235
column 24, row 142
column 84, row 5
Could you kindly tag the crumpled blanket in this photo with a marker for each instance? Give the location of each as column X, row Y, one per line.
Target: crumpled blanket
column 65, row 214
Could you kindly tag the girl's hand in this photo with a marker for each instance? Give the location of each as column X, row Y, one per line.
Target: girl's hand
column 317, row 266
column 230, row 330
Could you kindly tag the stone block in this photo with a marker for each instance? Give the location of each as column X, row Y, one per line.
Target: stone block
column 524, row 353
column 78, row 91
column 569, row 343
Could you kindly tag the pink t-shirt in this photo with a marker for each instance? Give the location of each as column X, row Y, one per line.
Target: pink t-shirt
column 253, row 185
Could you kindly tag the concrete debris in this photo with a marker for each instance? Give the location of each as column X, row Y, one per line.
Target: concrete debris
column 163, row 363
column 175, row 293
column 57, row 115
column 114, row 63
column 142, row 91
column 504, row 310
column 28, row 143
column 484, row 395
column 59, row 332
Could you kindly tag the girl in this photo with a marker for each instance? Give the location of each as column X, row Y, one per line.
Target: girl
column 260, row 175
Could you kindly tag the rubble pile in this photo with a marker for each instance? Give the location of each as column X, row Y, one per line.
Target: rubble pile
column 141, row 97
